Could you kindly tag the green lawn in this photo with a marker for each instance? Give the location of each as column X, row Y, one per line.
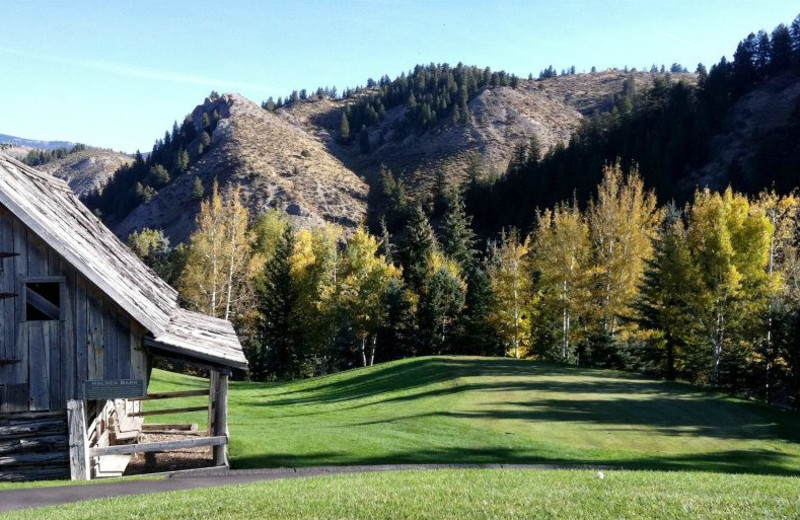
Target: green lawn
column 477, row 410
column 467, row 410
column 463, row 495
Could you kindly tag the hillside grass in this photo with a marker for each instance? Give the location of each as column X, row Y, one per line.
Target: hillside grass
column 463, row 495
column 491, row 410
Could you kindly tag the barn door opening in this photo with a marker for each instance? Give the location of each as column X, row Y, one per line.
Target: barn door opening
column 42, row 320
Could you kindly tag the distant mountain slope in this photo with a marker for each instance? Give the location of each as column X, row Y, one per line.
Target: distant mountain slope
column 87, row 170
column 277, row 164
column 21, row 142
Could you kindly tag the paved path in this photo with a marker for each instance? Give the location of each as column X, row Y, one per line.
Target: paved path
column 47, row 496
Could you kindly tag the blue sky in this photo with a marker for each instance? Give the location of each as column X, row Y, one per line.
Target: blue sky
column 117, row 73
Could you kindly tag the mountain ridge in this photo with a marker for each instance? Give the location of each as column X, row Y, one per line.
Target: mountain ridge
column 293, row 160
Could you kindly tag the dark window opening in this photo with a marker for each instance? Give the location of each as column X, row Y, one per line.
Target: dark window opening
column 42, row 301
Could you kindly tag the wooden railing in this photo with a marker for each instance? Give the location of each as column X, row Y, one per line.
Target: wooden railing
column 148, row 447
column 170, row 395
column 81, row 452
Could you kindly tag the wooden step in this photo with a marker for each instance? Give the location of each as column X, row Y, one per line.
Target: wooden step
column 111, row 465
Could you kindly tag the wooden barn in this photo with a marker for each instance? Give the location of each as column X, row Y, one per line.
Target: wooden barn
column 81, row 321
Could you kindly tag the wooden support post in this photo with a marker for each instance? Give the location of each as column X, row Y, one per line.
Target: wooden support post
column 78, row 440
column 218, row 415
column 213, row 376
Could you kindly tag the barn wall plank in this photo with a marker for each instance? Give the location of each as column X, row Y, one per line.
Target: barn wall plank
column 8, row 348
column 68, row 344
column 39, row 383
column 37, row 256
column 17, row 396
column 95, row 335
column 54, row 346
column 20, row 373
column 138, row 353
column 81, row 334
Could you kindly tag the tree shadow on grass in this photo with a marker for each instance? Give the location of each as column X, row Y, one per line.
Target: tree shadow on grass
column 757, row 462
column 604, row 398
column 422, row 372
column 397, row 377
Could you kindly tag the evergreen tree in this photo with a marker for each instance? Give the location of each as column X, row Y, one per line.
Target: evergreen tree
column 182, row 161
column 794, row 32
column 763, row 53
column 441, row 305
column 664, row 306
column 344, row 129
column 198, row 191
column 419, row 245
column 153, row 248
column 458, row 238
column 477, row 335
column 363, row 141
column 159, row 176
column 386, row 247
column 780, row 59
column 275, row 350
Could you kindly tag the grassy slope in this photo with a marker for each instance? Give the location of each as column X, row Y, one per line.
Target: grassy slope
column 498, row 410
column 478, row 494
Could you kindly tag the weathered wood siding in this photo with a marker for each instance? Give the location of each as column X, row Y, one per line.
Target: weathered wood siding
column 44, row 363
column 33, row 446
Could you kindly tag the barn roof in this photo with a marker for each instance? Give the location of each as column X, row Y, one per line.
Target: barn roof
column 47, row 206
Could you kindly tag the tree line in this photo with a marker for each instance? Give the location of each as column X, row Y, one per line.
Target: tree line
column 706, row 292
column 430, row 93
column 38, row 157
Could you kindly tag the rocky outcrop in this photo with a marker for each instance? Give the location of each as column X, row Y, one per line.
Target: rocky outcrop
column 277, row 164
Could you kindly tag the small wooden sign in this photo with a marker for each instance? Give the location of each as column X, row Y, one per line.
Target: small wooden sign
column 101, row 389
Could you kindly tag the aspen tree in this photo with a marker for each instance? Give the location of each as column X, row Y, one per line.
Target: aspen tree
column 218, row 264
column 562, row 257
column 623, row 221
column 729, row 240
column 364, row 280
column 512, row 287
column 781, row 211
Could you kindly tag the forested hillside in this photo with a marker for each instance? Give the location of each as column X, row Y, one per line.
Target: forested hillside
column 734, row 128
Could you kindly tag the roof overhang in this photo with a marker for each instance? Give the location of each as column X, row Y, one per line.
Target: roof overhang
column 196, row 336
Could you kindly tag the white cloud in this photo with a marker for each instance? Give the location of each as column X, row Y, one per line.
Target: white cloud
column 132, row 71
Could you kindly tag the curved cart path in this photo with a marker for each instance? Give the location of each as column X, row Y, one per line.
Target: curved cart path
column 48, row 496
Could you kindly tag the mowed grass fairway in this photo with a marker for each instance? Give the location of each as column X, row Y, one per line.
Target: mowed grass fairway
column 484, row 410
column 732, row 459
column 462, row 495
